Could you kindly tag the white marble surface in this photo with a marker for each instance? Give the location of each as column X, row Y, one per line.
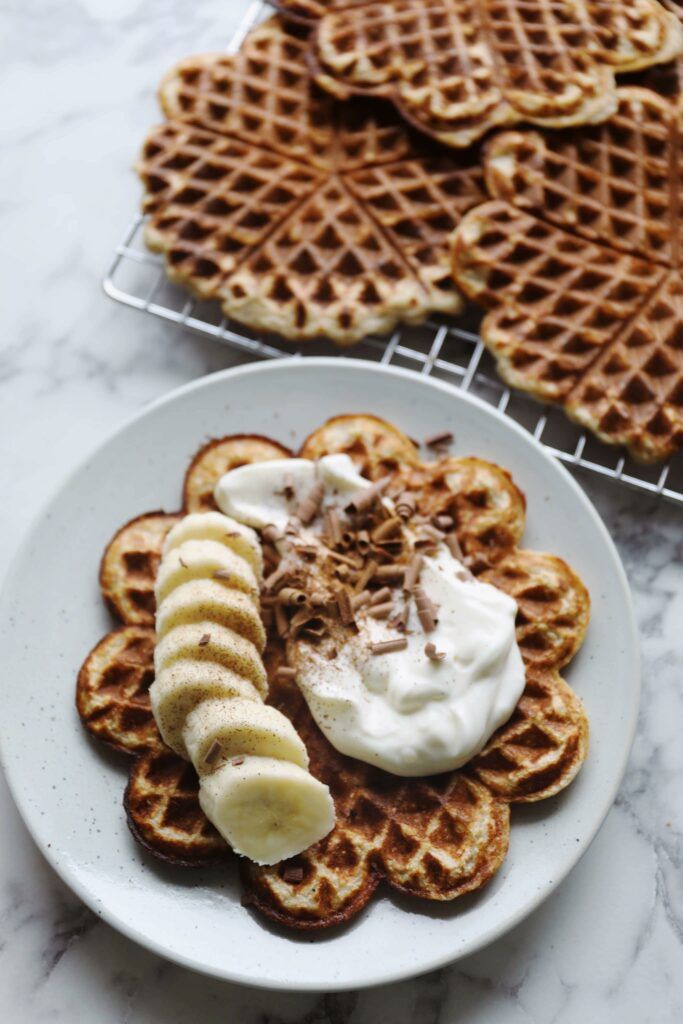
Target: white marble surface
column 608, row 945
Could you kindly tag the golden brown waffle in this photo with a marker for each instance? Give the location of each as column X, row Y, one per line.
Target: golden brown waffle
column 457, row 68
column 578, row 256
column 298, row 214
column 435, row 838
column 129, row 567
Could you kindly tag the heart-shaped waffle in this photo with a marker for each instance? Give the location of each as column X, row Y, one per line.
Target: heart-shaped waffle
column 579, row 258
column 298, row 214
column 436, row 838
column 459, row 67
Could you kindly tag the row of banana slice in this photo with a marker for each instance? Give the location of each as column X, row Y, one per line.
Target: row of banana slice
column 209, row 689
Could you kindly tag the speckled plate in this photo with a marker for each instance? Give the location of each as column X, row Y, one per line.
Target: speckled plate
column 69, row 790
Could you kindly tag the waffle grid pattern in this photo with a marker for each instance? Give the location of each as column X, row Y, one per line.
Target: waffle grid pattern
column 450, row 350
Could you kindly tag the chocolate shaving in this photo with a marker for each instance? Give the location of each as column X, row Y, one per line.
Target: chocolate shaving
column 381, row 611
column 430, row 533
column 290, row 595
column 204, row 640
column 363, row 541
column 333, row 528
column 444, row 437
column 388, row 646
column 400, row 621
column 293, row 874
column 453, row 545
column 285, row 673
column 213, row 753
column 182, row 562
column 366, row 575
column 288, row 485
column 413, row 572
column 389, row 528
column 425, row 610
column 380, row 596
column 443, row 522
column 388, row 574
column 281, row 621
column 432, row 653
column 353, row 563
column 363, row 500
column 360, row 600
column 271, row 534
column 309, row 506
column 344, row 605
column 237, row 761
column 280, row 575
column 406, row 505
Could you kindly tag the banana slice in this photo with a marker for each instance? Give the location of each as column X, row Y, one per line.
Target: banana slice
column 215, row 526
column 240, row 727
column 207, row 641
column 177, row 691
column 210, row 601
column 267, row 809
column 201, row 559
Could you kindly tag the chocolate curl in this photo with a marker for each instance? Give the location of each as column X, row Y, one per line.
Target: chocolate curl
column 278, row 577
column 353, row 563
column 400, row 621
column 389, row 574
column 381, row 611
column 204, row 640
column 388, row 646
column 281, row 621
column 389, row 528
column 293, row 875
column 363, row 500
column 380, row 596
column 406, row 505
column 309, row 506
column 360, row 600
column 444, row 437
column 290, row 595
column 285, row 673
column 363, row 542
column 213, row 753
column 344, row 605
column 432, row 653
column 443, row 522
column 429, row 535
column 306, row 621
column 333, row 528
column 366, row 575
column 288, row 485
column 425, row 610
column 413, row 572
column 453, row 545
column 271, row 534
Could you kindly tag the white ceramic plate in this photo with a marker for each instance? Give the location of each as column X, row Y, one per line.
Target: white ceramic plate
column 69, row 789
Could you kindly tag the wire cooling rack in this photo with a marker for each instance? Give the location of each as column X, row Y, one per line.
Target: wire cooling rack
column 449, row 349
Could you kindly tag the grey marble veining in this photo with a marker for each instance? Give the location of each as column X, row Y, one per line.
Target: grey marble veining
column 608, row 944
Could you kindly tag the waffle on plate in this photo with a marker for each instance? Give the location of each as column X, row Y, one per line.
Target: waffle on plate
column 457, row 68
column 300, row 215
column 578, row 257
column 437, row 837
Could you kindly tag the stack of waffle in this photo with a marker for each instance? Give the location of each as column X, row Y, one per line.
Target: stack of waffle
column 328, row 180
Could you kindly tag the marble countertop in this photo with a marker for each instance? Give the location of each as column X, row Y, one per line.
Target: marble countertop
column 608, row 944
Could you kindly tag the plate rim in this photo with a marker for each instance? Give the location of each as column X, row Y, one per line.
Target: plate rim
column 631, row 639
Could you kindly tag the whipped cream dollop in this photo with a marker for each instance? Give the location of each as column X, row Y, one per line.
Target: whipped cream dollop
column 401, row 710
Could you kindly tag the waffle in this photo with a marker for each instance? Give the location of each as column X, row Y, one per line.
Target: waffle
column 456, row 68
column 436, row 838
column 300, row 215
column 578, row 256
